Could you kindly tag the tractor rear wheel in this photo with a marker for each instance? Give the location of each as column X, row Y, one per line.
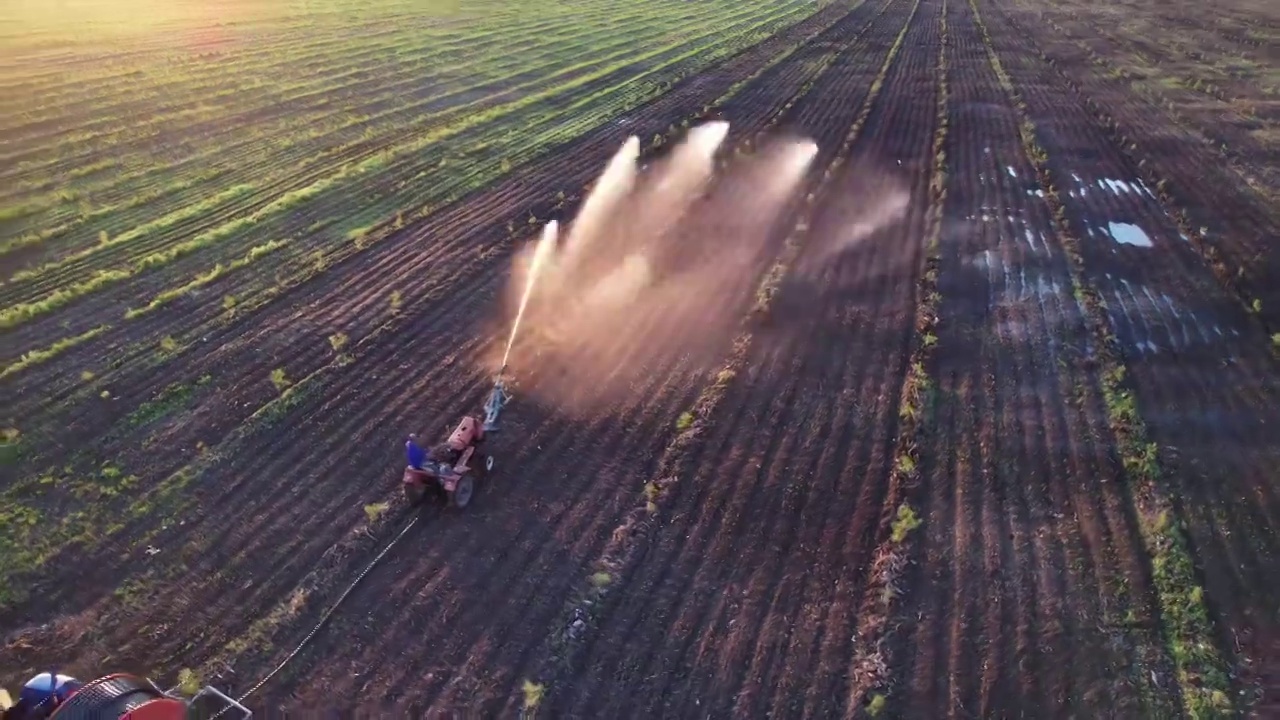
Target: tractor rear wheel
column 413, row 493
column 461, row 494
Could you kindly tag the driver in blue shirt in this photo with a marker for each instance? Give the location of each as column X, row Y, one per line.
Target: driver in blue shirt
column 417, row 456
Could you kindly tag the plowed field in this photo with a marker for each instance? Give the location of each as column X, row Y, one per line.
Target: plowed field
column 1010, row 452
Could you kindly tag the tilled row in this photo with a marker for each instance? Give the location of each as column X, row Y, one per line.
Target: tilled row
column 1188, row 625
column 328, row 64
column 105, row 91
column 242, row 154
column 1225, row 110
column 743, row 601
column 1206, row 382
column 390, row 169
column 239, row 380
column 1230, row 226
column 1031, row 565
column 242, row 532
column 491, row 662
column 335, row 136
column 463, row 239
column 1222, row 31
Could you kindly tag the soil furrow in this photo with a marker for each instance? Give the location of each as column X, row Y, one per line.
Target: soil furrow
column 1225, row 112
column 473, row 222
column 245, row 158
column 1031, row 612
column 977, row 420
column 732, row 652
column 460, row 317
column 462, row 626
column 1155, row 288
column 1187, row 621
column 1231, row 227
column 271, row 215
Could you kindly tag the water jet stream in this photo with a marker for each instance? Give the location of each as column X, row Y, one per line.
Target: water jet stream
column 541, row 253
column 614, row 184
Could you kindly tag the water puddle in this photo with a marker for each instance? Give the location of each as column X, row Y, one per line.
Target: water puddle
column 1114, row 185
column 984, row 260
column 1129, row 234
column 1124, row 186
column 1152, row 322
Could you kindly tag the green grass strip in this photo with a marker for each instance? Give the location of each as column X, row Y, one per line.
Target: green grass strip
column 167, row 498
column 23, row 312
column 217, row 272
column 35, row 357
column 159, row 224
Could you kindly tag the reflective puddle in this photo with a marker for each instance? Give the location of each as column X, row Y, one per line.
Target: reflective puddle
column 1129, row 234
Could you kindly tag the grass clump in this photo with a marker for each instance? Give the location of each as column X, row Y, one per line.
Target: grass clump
column 533, row 693
column 170, row 399
column 375, row 511
column 684, row 421
column 189, row 682
column 906, row 464
column 10, row 446
column 906, row 522
column 280, row 380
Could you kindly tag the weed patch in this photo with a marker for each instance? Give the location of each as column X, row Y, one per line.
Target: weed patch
column 375, row 511
column 905, row 523
column 168, row 401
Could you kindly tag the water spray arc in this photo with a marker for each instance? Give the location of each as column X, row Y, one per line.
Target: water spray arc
column 655, row 266
column 602, row 202
column 499, row 396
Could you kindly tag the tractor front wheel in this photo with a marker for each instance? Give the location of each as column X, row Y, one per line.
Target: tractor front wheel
column 461, row 494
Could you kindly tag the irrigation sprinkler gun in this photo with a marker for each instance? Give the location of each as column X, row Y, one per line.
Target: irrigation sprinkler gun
column 498, row 398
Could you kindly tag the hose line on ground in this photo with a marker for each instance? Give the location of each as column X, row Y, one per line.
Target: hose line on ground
column 324, row 618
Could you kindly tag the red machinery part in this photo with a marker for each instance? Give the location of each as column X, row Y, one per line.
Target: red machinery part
column 120, row 697
column 466, row 434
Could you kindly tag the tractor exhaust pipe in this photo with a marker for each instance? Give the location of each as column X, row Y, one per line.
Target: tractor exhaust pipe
column 498, row 398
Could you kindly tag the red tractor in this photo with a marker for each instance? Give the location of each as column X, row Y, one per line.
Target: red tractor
column 453, row 469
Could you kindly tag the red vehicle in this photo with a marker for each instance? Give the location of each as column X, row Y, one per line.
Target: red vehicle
column 454, row 468
column 121, row 696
